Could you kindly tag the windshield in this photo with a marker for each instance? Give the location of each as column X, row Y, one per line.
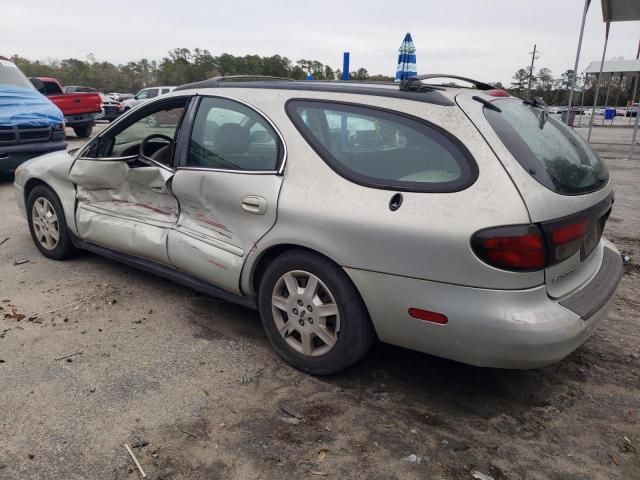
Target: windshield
column 549, row 150
column 11, row 75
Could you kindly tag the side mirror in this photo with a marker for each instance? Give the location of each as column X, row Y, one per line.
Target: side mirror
column 38, row 84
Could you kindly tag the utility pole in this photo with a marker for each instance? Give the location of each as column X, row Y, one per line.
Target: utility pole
column 533, row 59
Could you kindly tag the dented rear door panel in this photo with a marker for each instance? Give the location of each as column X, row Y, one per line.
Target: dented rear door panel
column 218, row 225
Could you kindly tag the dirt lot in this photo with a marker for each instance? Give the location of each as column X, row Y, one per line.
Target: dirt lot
column 194, row 386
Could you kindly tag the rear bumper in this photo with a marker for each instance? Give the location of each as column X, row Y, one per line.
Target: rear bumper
column 80, row 119
column 14, row 155
column 488, row 328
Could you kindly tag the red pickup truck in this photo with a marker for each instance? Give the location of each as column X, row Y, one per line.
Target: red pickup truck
column 79, row 109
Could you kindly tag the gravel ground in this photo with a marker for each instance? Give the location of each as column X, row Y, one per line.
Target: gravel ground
column 193, row 385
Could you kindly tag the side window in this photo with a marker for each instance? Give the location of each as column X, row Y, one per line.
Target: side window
column 229, row 135
column 161, row 122
column 383, row 149
column 165, row 90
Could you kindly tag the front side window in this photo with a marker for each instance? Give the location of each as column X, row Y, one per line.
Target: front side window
column 384, row 149
column 231, row 136
column 549, row 150
column 165, row 122
column 152, row 133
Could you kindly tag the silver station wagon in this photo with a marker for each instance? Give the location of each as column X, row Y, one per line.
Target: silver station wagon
column 460, row 222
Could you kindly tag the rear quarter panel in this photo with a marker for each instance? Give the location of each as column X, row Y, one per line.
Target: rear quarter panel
column 543, row 205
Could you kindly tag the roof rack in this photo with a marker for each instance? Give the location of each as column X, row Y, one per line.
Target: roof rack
column 426, row 95
column 478, row 85
column 233, row 78
column 215, row 81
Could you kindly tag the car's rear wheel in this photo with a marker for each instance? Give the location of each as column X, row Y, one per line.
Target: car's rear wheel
column 313, row 314
column 84, row 131
column 47, row 224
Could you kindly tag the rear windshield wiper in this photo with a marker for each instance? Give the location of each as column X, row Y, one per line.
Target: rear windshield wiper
column 487, row 103
column 538, row 102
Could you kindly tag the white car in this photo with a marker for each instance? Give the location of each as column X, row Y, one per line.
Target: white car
column 146, row 94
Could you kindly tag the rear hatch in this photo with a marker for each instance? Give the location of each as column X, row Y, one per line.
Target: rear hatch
column 564, row 184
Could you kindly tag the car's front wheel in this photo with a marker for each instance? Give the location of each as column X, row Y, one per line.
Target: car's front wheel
column 47, row 224
column 313, row 314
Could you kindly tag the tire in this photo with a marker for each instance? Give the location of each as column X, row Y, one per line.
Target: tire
column 345, row 337
column 83, row 131
column 63, row 247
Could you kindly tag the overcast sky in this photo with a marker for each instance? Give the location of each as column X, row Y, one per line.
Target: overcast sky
column 487, row 40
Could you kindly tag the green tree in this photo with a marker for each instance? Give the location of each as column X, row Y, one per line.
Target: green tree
column 544, row 83
column 329, row 74
column 519, row 83
column 360, row 74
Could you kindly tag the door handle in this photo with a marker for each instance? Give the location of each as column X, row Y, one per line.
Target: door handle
column 254, row 204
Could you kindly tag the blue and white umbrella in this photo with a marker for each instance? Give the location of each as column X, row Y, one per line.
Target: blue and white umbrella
column 406, row 59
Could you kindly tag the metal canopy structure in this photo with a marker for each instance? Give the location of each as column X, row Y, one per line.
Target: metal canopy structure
column 614, row 66
column 612, row 11
column 620, row 10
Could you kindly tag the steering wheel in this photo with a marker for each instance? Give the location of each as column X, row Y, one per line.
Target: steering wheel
column 143, row 143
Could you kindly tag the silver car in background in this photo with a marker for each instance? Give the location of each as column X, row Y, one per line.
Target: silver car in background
column 460, row 222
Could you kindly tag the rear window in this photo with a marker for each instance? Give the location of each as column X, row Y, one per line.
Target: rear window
column 383, row 149
column 51, row 88
column 549, row 150
column 11, row 75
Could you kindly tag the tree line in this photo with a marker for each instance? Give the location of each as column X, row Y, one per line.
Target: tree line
column 555, row 91
column 180, row 66
column 183, row 65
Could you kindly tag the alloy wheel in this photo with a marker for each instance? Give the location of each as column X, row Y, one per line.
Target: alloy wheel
column 45, row 223
column 305, row 313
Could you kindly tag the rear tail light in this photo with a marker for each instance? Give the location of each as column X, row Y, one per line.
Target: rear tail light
column 518, row 248
column 534, row 247
column 566, row 238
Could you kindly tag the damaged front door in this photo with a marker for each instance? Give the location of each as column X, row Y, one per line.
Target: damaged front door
column 123, row 184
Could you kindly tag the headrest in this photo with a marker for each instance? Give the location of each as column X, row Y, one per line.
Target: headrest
column 231, row 139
